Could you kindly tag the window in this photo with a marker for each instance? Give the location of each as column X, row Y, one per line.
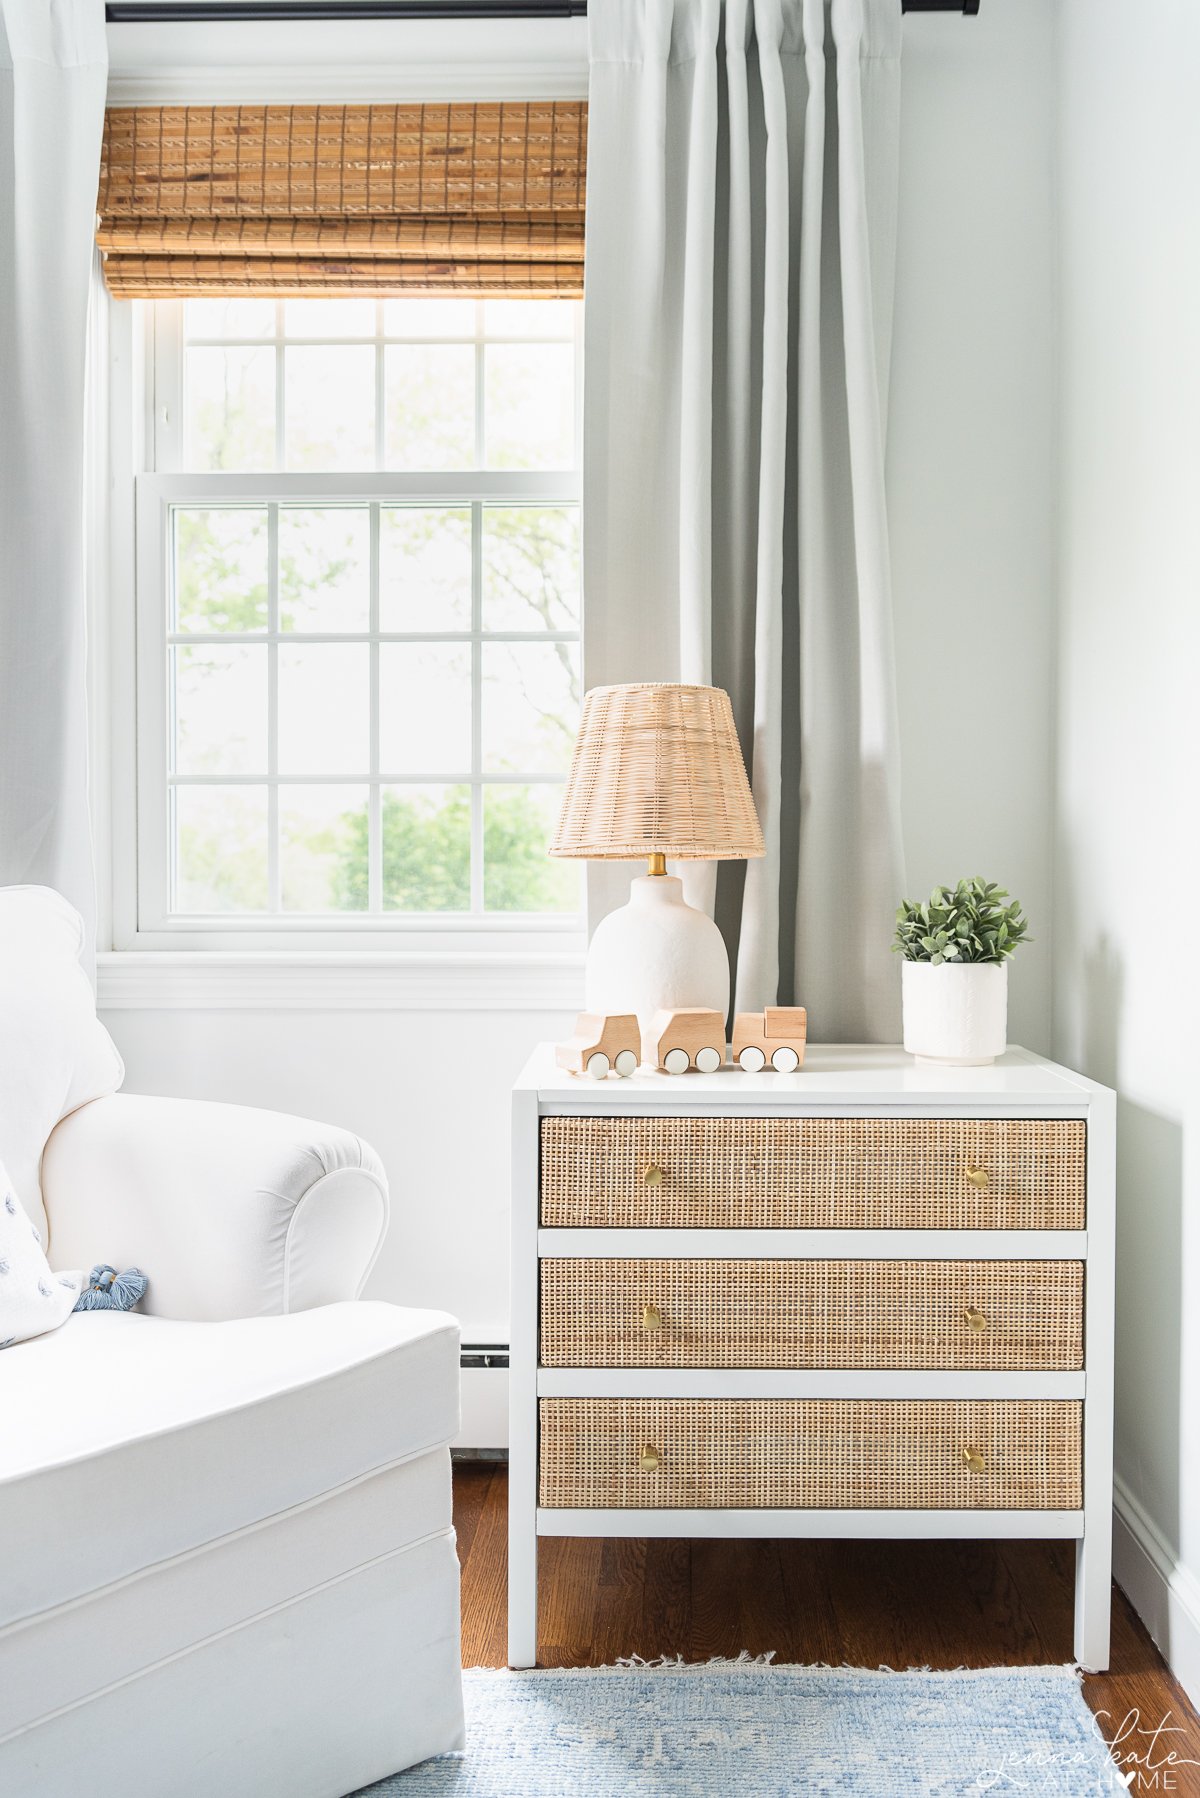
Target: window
column 358, row 617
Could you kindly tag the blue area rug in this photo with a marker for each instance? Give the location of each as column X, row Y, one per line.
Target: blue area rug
column 747, row 1730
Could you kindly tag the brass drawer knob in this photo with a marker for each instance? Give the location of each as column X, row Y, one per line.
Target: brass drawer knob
column 973, row 1459
column 653, row 1174
column 649, row 1458
column 651, row 1317
column 978, row 1176
column 975, row 1320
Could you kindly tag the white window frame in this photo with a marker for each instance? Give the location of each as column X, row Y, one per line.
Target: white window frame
column 141, row 915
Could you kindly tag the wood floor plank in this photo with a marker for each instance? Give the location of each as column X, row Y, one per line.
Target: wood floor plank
column 871, row 1603
column 569, row 1577
column 618, row 1613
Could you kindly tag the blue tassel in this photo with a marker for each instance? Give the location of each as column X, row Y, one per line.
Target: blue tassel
column 107, row 1290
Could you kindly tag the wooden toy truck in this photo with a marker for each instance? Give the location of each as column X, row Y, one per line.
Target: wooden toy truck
column 601, row 1043
column 689, row 1038
column 775, row 1037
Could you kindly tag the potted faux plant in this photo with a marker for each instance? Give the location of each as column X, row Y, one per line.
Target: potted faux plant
column 956, row 946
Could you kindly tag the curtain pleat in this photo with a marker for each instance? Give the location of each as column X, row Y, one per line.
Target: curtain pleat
column 740, row 250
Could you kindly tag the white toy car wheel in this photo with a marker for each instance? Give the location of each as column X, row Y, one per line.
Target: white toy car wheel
column 752, row 1059
column 676, row 1061
column 708, row 1060
column 597, row 1065
column 785, row 1061
column 626, row 1063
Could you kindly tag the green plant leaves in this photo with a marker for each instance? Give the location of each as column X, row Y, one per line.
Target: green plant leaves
column 972, row 921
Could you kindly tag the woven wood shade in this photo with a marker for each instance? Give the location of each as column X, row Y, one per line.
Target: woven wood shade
column 292, row 200
column 657, row 770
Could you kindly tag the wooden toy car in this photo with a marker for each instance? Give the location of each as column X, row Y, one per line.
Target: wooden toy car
column 601, row 1043
column 776, row 1036
column 688, row 1038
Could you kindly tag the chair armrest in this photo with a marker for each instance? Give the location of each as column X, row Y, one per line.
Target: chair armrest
column 229, row 1211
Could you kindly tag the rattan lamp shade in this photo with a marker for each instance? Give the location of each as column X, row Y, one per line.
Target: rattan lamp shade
column 658, row 770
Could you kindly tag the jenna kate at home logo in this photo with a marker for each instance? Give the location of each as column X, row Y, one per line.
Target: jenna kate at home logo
column 1142, row 1751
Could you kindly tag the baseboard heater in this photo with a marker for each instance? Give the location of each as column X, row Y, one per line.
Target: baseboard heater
column 484, row 1386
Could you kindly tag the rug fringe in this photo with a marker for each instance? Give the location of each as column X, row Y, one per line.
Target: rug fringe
column 666, row 1663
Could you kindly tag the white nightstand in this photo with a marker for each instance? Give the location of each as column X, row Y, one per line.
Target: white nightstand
column 866, row 1299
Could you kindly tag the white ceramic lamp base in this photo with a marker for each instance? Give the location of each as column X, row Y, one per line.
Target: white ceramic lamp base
column 656, row 953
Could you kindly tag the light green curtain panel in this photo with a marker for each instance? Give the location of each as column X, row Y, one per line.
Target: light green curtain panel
column 741, row 228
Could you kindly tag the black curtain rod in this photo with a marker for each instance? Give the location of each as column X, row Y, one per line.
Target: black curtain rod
column 163, row 12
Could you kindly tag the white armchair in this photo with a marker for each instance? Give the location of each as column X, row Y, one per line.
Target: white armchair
column 228, row 1561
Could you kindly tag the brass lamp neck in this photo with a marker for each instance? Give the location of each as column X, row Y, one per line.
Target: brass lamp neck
column 658, row 863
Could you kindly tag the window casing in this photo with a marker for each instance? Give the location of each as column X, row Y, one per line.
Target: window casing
column 459, row 740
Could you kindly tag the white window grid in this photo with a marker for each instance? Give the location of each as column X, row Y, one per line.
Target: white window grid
column 166, row 488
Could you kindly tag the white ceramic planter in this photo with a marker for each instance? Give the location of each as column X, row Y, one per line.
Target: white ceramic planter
column 956, row 1014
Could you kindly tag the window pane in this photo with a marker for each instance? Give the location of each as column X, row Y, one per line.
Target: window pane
column 424, row 708
column 430, row 405
column 324, row 699
column 220, row 849
column 330, row 394
column 530, row 706
column 529, row 318
column 229, row 318
column 220, row 568
column 426, row 848
column 324, row 568
column 429, row 318
column 323, row 848
column 424, row 569
column 230, row 409
column 329, row 318
column 220, row 708
column 518, row 875
column 530, row 568
column 529, row 405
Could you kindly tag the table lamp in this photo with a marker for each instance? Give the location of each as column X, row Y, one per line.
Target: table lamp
column 657, row 771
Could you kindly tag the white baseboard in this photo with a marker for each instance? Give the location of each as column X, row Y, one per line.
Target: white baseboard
column 1165, row 1594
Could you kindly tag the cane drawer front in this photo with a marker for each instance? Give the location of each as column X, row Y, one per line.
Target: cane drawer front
column 813, row 1173
column 811, row 1454
column 985, row 1315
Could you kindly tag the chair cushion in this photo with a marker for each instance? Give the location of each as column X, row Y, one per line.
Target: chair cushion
column 128, row 1439
column 55, row 1054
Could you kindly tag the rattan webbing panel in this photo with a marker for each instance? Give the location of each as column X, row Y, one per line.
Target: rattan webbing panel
column 813, row 1173
column 820, row 1454
column 820, row 1314
column 465, row 198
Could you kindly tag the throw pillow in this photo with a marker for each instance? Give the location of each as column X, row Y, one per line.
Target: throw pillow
column 32, row 1298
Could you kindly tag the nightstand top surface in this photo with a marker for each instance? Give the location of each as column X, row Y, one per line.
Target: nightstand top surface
column 845, row 1074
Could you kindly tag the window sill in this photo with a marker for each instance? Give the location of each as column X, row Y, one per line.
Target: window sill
column 338, row 980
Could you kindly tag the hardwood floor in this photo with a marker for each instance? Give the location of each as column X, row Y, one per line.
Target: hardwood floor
column 870, row 1604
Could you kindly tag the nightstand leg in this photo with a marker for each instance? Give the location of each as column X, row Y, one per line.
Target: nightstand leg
column 522, row 1584
column 1093, row 1596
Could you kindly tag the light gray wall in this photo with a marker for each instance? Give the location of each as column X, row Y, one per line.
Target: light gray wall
column 971, row 464
column 1128, row 871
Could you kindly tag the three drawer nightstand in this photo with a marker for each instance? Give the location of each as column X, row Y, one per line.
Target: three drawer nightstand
column 867, row 1299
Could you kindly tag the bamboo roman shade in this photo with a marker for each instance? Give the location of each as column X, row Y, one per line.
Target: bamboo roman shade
column 293, row 200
